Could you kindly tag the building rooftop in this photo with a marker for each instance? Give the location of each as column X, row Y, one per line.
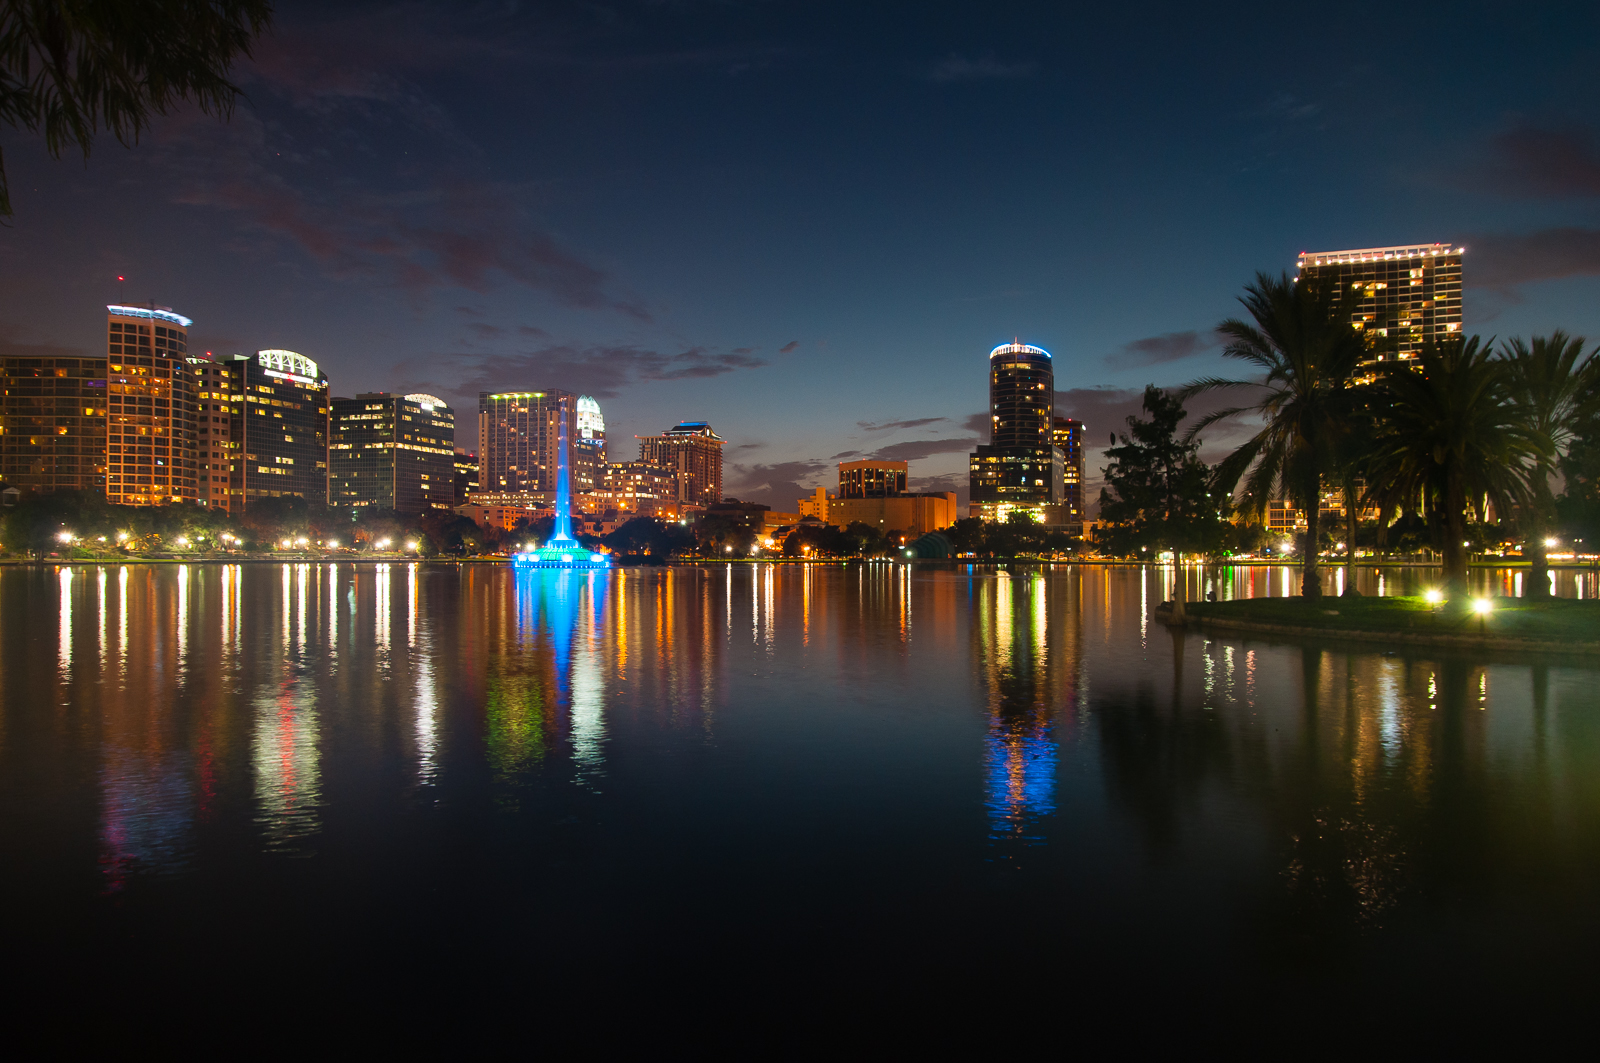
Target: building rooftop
column 693, row 428
column 1377, row 254
column 1019, row 348
column 159, row 313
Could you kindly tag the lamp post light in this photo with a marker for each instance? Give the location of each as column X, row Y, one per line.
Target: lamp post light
column 412, row 547
column 1482, row 607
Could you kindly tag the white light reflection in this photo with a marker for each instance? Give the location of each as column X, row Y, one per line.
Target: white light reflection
column 1389, row 710
column 104, row 625
column 301, row 585
column 183, row 616
column 588, row 698
column 380, row 615
column 122, row 620
column 427, row 714
column 64, row 622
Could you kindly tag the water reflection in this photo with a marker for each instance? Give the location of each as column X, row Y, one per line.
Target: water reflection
column 1027, row 675
column 159, row 720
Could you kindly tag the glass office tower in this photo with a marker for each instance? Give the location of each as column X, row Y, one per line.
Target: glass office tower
column 392, row 451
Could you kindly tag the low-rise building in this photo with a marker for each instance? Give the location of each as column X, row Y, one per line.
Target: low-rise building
column 501, row 517
column 915, row 515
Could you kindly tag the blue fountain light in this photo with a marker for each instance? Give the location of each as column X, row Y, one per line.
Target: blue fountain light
column 562, row 550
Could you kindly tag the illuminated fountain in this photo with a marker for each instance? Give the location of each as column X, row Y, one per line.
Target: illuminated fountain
column 562, row 550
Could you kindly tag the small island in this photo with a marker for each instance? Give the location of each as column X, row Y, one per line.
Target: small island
column 1560, row 625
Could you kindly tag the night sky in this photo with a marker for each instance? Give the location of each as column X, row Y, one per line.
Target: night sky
column 808, row 223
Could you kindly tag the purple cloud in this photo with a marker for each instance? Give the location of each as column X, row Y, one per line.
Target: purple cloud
column 916, row 449
column 597, row 370
column 790, row 347
column 890, row 426
column 779, row 485
column 1503, row 261
column 1158, row 350
column 1534, row 163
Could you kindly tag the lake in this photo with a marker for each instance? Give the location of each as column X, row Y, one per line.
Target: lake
column 429, row 800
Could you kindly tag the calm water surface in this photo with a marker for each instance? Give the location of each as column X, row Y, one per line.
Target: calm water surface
column 799, row 797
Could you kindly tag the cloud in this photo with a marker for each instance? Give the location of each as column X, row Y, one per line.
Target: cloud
column 1534, row 163
column 1503, row 260
column 484, row 330
column 979, row 424
column 601, row 371
column 1158, row 350
column 845, row 454
column 959, row 482
column 916, row 449
column 984, row 68
column 779, row 485
column 426, row 217
column 790, row 347
column 749, row 446
column 890, row 426
column 531, row 330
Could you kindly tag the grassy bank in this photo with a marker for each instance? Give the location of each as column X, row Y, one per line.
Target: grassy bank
column 1558, row 620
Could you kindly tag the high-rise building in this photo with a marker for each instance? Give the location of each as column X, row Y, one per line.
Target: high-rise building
column 1068, row 438
column 1020, row 467
column 517, row 443
column 466, row 474
column 53, row 412
column 694, row 452
column 872, row 479
column 1407, row 296
column 150, row 450
column 637, row 487
column 219, row 411
column 278, row 404
column 392, row 451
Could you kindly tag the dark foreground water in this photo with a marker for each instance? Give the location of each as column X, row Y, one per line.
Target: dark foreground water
column 770, row 804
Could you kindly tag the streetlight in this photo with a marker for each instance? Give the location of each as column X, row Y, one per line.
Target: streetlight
column 1481, row 606
column 287, row 543
column 333, row 544
column 65, row 537
column 1549, row 543
column 301, row 541
column 411, row 546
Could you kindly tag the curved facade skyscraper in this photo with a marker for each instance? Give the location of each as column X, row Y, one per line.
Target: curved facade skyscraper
column 1022, row 396
column 1020, row 468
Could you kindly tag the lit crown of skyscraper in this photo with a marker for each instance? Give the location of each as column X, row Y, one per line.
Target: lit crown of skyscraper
column 1017, row 347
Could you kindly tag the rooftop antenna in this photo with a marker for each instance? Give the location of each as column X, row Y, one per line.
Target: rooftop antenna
column 120, row 279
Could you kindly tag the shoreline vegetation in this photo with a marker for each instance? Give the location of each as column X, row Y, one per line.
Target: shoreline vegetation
column 1564, row 625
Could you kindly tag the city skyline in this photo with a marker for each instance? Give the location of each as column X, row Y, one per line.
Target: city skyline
column 738, row 272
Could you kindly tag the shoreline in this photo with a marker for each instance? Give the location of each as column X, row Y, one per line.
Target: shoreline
column 942, row 562
column 1204, row 616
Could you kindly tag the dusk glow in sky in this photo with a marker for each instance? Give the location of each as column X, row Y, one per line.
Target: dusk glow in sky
column 809, row 223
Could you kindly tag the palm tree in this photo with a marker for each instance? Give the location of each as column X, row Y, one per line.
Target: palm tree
column 1452, row 436
column 1550, row 376
column 1308, row 358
